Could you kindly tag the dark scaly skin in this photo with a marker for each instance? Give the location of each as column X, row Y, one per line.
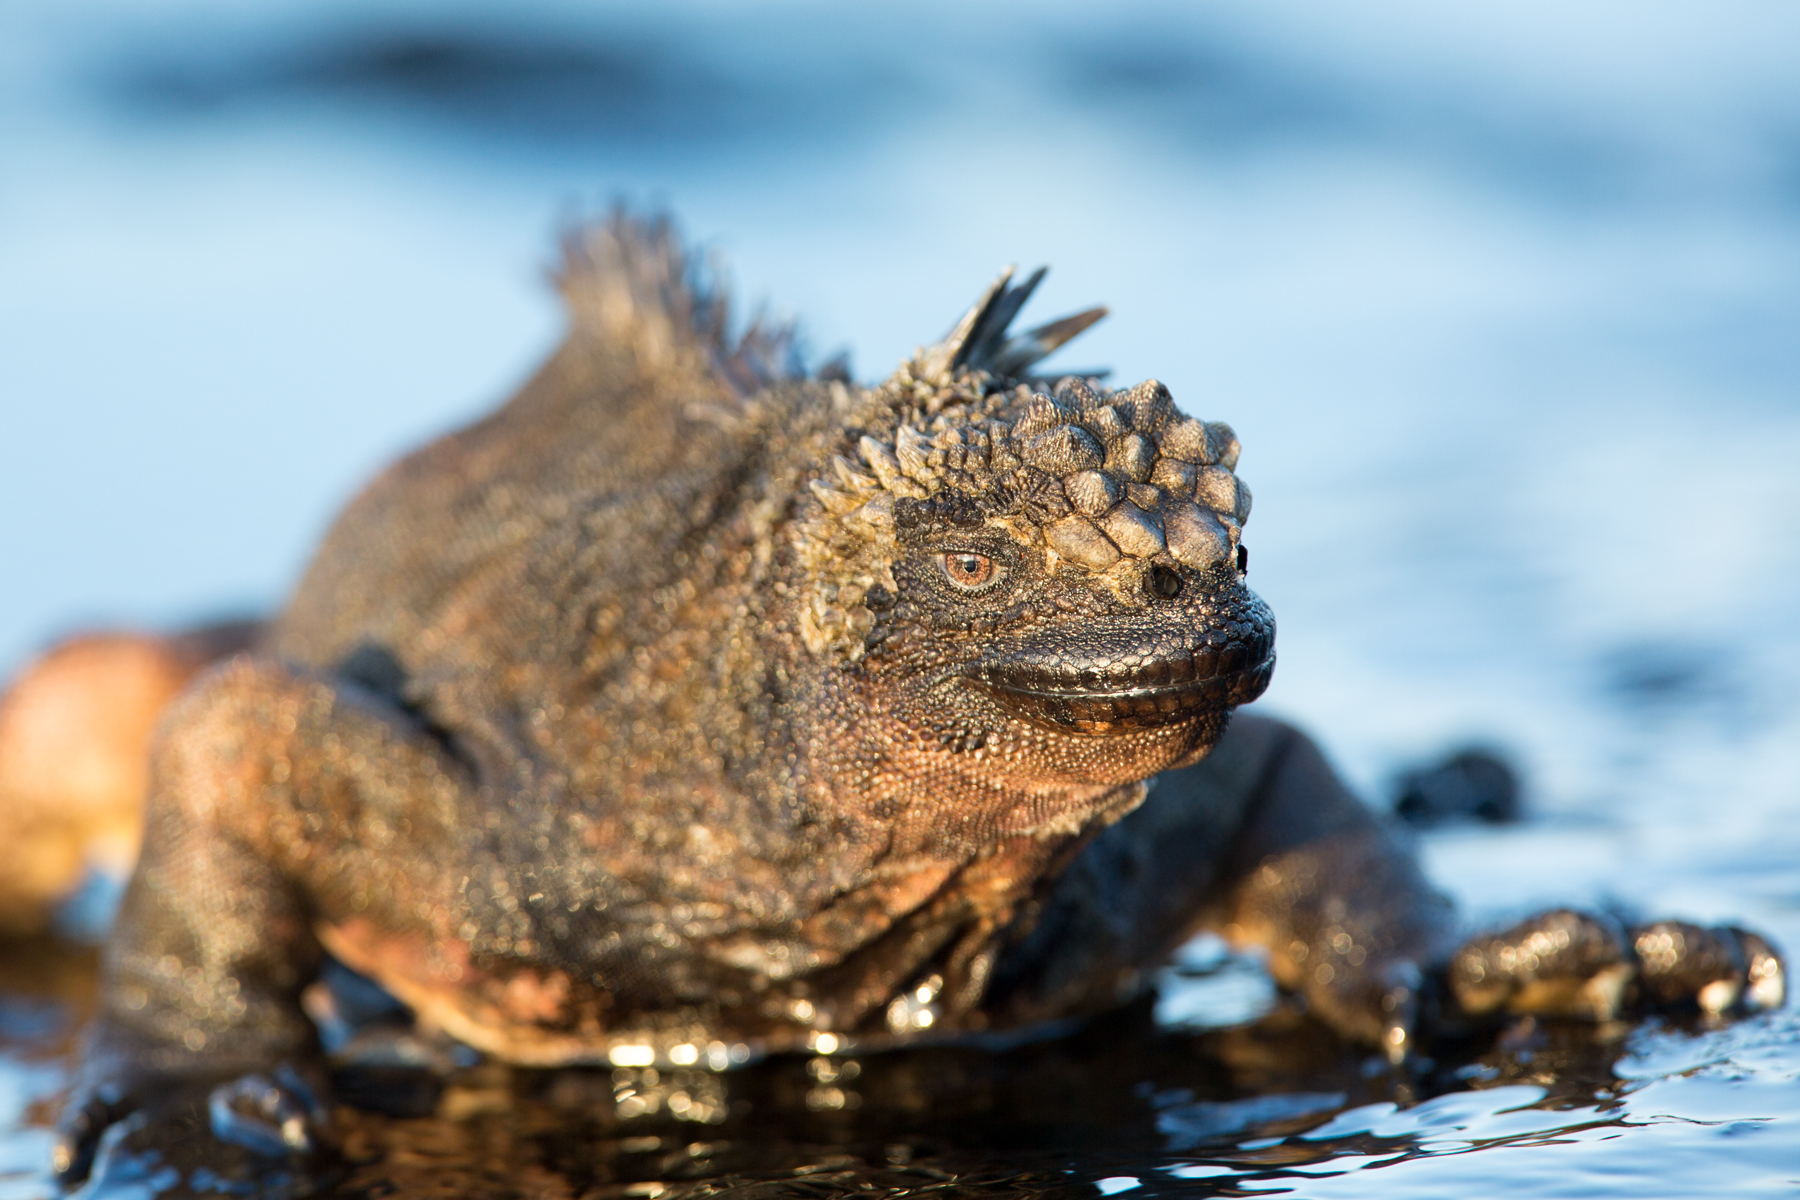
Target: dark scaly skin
column 625, row 726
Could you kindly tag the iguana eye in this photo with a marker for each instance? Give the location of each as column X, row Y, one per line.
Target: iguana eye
column 969, row 571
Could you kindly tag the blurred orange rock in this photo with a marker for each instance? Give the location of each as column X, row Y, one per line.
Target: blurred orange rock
column 74, row 729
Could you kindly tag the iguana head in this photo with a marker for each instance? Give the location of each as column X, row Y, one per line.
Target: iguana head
column 1046, row 583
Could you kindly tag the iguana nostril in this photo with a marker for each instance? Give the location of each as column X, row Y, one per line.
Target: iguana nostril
column 1164, row 583
column 1243, row 560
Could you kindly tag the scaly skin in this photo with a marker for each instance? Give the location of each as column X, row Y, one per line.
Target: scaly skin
column 687, row 708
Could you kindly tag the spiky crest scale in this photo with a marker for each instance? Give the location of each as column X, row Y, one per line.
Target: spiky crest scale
column 628, row 278
column 979, row 340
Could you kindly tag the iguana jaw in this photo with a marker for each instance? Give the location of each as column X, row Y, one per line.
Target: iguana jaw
column 1112, row 682
column 1138, row 705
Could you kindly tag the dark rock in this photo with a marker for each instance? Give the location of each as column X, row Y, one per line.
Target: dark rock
column 1472, row 784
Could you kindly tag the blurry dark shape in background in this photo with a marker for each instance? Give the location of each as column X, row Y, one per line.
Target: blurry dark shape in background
column 524, row 82
column 1473, row 784
column 1660, row 680
column 771, row 77
column 1225, row 100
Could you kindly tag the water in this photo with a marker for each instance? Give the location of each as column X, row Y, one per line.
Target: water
column 1501, row 299
column 1273, row 1108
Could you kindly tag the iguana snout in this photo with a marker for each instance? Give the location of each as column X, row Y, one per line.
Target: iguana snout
column 1113, row 676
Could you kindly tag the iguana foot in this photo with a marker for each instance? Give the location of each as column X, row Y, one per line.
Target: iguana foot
column 1719, row 970
column 269, row 1134
column 1576, row 964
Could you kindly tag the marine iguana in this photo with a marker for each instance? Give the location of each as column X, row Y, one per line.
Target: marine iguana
column 689, row 708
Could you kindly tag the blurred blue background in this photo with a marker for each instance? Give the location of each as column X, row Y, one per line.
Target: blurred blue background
column 1502, row 299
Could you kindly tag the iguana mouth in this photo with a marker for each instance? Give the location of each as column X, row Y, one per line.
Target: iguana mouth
column 1139, row 690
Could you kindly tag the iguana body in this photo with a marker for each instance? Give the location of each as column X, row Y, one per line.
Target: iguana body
column 688, row 708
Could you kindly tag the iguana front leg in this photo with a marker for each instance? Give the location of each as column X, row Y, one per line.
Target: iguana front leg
column 1349, row 922
column 276, row 803
column 1262, row 843
column 1337, row 901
